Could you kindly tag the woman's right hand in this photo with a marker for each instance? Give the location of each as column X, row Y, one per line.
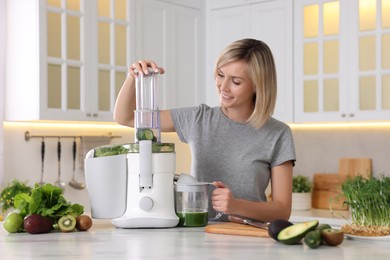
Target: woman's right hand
column 141, row 67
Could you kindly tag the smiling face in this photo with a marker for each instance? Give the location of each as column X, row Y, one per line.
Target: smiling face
column 235, row 88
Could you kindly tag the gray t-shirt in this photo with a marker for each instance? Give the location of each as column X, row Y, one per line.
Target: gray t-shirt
column 234, row 153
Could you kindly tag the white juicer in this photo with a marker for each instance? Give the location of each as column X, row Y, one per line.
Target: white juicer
column 134, row 187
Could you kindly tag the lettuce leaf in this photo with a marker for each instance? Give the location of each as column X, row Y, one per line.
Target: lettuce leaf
column 46, row 200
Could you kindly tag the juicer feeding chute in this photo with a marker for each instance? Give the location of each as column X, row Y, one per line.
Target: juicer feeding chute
column 147, row 114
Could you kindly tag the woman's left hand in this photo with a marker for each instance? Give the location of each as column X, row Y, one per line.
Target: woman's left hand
column 222, row 198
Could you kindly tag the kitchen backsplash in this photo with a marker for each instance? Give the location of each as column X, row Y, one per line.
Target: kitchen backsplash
column 318, row 150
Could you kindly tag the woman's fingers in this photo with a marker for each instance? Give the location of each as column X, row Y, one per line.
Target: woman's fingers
column 142, row 67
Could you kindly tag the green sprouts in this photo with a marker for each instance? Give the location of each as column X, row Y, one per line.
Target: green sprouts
column 369, row 200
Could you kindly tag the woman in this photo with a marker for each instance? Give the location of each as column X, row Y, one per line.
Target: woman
column 238, row 145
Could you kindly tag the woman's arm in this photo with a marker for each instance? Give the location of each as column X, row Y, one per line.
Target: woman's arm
column 126, row 100
column 279, row 208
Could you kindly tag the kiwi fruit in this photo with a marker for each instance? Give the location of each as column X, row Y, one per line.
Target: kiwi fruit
column 67, row 223
column 83, row 223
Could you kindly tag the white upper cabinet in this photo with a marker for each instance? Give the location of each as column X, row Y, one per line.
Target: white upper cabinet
column 342, row 60
column 268, row 21
column 66, row 60
column 172, row 36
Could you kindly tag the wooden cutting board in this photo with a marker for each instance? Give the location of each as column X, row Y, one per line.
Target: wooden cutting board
column 229, row 228
column 351, row 167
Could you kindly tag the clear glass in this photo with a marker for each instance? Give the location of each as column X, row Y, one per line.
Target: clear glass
column 73, row 5
column 310, row 96
column 120, row 9
column 73, row 37
column 120, row 45
column 331, row 56
column 385, row 13
column 331, row 95
column 386, row 92
column 54, row 81
column 104, row 8
column 367, row 50
column 367, row 15
column 192, row 205
column 54, row 35
column 73, row 88
column 367, row 93
column 310, row 21
column 147, row 115
column 104, row 42
column 104, row 90
column 331, row 18
column 55, row 3
column 310, row 59
column 386, row 51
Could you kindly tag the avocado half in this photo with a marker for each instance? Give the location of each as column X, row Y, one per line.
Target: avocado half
column 294, row 234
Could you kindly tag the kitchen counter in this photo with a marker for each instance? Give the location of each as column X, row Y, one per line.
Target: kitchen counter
column 104, row 241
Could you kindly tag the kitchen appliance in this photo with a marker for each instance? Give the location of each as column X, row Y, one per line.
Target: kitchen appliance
column 134, row 185
column 192, row 201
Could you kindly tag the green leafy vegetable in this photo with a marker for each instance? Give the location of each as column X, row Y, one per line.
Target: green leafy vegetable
column 110, row 150
column 369, row 200
column 46, row 200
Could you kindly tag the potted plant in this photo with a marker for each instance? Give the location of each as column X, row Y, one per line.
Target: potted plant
column 301, row 196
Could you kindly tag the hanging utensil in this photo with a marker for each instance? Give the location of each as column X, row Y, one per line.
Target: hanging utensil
column 59, row 183
column 73, row 183
column 41, row 182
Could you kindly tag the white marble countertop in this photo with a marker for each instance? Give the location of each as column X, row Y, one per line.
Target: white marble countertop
column 104, row 241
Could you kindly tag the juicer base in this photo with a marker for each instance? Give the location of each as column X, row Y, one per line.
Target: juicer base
column 145, row 222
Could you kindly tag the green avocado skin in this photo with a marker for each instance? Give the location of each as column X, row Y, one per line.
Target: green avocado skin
column 295, row 233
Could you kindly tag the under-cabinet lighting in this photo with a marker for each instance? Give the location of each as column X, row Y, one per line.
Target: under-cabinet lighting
column 340, row 126
column 65, row 125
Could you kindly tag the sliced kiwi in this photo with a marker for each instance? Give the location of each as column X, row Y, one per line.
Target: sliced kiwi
column 67, row 223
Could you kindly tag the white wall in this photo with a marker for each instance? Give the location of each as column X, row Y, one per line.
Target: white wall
column 2, row 82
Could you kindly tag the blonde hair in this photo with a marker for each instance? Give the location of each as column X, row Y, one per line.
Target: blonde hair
column 260, row 67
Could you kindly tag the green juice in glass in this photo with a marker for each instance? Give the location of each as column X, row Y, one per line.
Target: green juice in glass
column 192, row 219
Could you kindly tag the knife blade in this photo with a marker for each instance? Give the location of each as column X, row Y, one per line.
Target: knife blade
column 257, row 224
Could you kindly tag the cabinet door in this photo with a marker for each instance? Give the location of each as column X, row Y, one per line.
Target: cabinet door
column 342, row 60
column 369, row 50
column 320, row 65
column 110, row 51
column 225, row 26
column 63, row 61
column 185, row 59
column 279, row 38
column 254, row 20
column 171, row 35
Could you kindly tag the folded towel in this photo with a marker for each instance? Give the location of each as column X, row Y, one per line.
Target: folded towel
column 90, row 142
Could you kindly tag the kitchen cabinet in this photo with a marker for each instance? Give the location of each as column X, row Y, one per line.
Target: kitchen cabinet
column 66, row 60
column 269, row 21
column 342, row 60
column 171, row 34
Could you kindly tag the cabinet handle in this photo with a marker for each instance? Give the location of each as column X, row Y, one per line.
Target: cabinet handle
column 88, row 114
column 343, row 115
column 351, row 115
column 94, row 114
